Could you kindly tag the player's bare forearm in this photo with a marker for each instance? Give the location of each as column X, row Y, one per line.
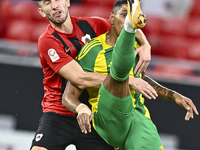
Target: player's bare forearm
column 162, row 91
column 92, row 80
column 74, row 73
column 144, row 51
column 143, row 87
column 139, row 35
column 70, row 98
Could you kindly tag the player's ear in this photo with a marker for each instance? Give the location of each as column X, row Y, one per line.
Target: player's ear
column 40, row 10
column 68, row 3
column 112, row 18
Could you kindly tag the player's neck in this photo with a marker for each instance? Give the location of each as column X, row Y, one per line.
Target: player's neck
column 111, row 38
column 66, row 27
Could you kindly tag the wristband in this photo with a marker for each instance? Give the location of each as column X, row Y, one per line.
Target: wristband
column 82, row 108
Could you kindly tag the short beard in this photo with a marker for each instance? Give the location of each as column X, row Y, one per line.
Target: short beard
column 59, row 21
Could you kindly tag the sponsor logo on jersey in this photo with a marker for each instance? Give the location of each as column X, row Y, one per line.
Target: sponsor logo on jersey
column 53, row 55
column 86, row 38
column 67, row 50
column 38, row 137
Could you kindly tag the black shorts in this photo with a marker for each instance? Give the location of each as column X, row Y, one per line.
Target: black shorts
column 56, row 132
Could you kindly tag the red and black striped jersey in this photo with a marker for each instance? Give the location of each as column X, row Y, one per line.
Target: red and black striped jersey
column 56, row 49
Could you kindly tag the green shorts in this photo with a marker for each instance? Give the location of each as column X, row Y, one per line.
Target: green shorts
column 120, row 125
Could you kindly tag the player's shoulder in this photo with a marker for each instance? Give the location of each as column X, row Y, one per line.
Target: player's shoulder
column 47, row 32
column 47, row 36
column 47, row 39
column 95, row 41
column 91, row 47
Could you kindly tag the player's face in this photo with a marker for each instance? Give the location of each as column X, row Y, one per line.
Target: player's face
column 55, row 10
column 119, row 19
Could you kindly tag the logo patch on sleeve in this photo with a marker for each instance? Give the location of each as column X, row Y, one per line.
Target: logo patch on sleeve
column 38, row 137
column 53, row 55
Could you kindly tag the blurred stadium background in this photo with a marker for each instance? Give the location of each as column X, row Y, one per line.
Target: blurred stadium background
column 173, row 30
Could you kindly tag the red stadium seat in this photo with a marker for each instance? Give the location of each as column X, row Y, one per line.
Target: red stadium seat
column 194, row 28
column 175, row 26
column 195, row 11
column 99, row 11
column 88, row 11
column 194, row 51
column 170, row 46
column 78, row 10
column 155, row 43
column 176, row 47
column 5, row 6
column 20, row 30
column 172, row 71
column 153, row 26
column 21, row 10
column 102, row 3
column 37, row 30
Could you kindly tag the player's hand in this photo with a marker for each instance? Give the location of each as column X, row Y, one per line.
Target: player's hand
column 84, row 122
column 144, row 52
column 143, row 87
column 187, row 104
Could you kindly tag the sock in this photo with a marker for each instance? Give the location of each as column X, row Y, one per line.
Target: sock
column 127, row 25
column 123, row 56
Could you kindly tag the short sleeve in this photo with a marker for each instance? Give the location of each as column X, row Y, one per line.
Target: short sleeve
column 52, row 52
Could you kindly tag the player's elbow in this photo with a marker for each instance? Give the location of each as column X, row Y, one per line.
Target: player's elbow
column 66, row 103
column 82, row 81
column 64, row 100
column 82, row 85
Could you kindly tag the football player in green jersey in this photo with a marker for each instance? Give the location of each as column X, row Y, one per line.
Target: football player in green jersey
column 118, row 113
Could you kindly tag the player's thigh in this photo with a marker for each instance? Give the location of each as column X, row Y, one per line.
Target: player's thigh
column 55, row 131
column 143, row 134
column 117, row 88
column 112, row 117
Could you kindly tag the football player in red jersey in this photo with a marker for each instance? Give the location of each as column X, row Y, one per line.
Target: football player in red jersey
column 58, row 45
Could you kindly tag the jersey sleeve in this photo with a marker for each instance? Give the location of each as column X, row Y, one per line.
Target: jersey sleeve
column 100, row 25
column 53, row 53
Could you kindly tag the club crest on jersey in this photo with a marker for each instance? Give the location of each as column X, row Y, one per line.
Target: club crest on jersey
column 53, row 55
column 38, row 137
column 86, row 38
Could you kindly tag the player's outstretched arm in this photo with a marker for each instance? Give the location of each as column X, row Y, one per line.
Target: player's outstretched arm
column 70, row 100
column 144, row 51
column 181, row 100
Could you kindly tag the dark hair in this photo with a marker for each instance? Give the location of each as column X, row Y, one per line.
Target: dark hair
column 118, row 4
